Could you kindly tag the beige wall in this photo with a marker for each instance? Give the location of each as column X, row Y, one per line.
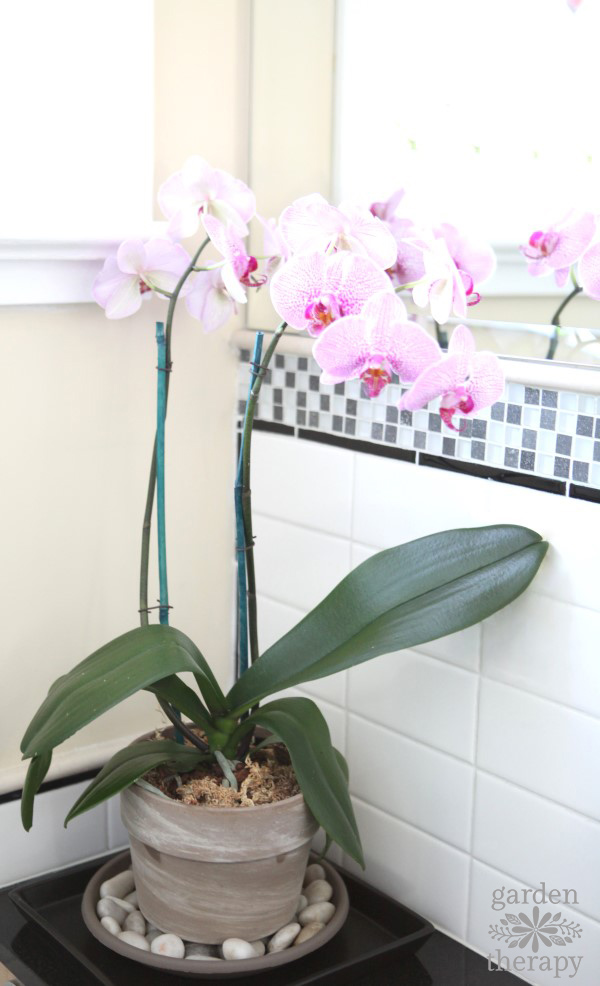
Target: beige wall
column 78, row 391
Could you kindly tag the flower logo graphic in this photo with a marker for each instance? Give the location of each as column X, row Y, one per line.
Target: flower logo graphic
column 519, row 930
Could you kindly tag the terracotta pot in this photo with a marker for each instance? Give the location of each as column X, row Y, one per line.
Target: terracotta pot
column 208, row 873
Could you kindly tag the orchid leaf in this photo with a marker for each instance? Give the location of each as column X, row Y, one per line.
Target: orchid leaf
column 399, row 598
column 129, row 764
column 178, row 694
column 301, row 726
column 38, row 768
column 122, row 667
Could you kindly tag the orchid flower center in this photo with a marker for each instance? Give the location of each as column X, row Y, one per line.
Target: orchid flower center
column 375, row 378
column 457, row 401
column 144, row 288
column 542, row 244
column 473, row 297
column 321, row 312
column 247, row 277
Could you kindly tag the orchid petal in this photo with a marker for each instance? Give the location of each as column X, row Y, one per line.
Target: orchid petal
column 341, row 351
column 438, row 379
column 126, row 298
column 131, row 257
column 477, row 259
column 232, row 283
column 308, row 224
column 487, row 381
column 295, row 285
column 573, row 239
column 441, row 297
column 589, row 271
column 354, row 279
column 561, row 276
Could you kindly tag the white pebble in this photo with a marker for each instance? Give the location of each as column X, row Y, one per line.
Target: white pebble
column 203, row 958
column 135, row 922
column 169, row 945
column 317, row 912
column 284, row 937
column 259, row 947
column 318, row 891
column 111, row 925
column 136, row 940
column 108, row 908
column 313, row 872
column 132, row 898
column 119, row 885
column 302, row 903
column 151, row 935
column 123, row 904
column 308, row 931
column 237, row 948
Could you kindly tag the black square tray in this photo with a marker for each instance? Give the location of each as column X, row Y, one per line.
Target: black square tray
column 379, row 937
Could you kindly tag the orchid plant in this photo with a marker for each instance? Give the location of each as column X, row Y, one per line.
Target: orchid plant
column 335, row 273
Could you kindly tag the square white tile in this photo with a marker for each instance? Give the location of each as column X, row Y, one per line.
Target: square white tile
column 421, row 697
column 547, row 647
column 541, row 746
column 419, row 871
column 409, row 781
column 535, row 839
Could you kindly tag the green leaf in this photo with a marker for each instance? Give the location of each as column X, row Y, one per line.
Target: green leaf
column 301, row 726
column 129, row 764
column 38, row 768
column 133, row 661
column 346, row 772
column 177, row 693
column 399, row 598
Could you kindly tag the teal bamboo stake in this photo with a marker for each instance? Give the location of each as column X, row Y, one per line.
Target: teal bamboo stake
column 161, row 411
column 240, row 539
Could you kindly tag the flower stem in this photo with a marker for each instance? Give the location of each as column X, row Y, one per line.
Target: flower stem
column 240, row 539
column 246, row 493
column 147, row 525
column 556, row 318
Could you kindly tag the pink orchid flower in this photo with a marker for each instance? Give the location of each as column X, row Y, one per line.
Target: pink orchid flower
column 574, row 4
column 560, row 246
column 444, row 287
column 589, row 271
column 136, row 270
column 476, row 261
column 411, row 244
column 386, row 211
column 199, row 190
column 466, row 380
column 373, row 345
column 310, row 223
column 210, row 301
column 239, row 270
column 313, row 290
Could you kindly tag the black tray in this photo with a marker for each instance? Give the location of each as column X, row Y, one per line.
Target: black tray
column 379, row 935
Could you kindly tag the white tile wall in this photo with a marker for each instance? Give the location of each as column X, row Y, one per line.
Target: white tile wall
column 474, row 758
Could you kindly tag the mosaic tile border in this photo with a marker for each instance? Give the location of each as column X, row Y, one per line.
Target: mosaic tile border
column 548, row 439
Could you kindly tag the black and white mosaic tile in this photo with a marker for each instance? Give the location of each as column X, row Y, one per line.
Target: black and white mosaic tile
column 551, row 437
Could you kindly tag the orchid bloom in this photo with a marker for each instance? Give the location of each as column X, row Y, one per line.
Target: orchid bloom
column 560, row 246
column 373, row 345
column 574, row 4
column 444, row 287
column 199, row 190
column 310, row 223
column 589, row 271
column 411, row 244
column 313, row 290
column 136, row 270
column 238, row 271
column 210, row 301
column 476, row 261
column 466, row 380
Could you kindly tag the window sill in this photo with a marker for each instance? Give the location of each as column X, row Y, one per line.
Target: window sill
column 56, row 272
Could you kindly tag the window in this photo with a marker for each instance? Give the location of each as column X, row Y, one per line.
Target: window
column 486, row 112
